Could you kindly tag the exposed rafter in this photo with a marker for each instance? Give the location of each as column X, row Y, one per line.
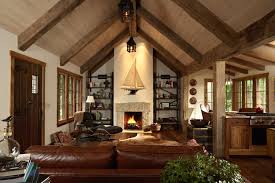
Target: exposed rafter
column 230, row 73
column 270, row 45
column 168, row 56
column 133, row 23
column 260, row 58
column 99, row 56
column 237, row 69
column 165, row 61
column 247, row 63
column 46, row 22
column 109, row 56
column 210, row 21
column 88, row 38
column 256, row 34
column 169, row 34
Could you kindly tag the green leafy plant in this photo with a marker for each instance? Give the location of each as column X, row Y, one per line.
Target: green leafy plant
column 201, row 169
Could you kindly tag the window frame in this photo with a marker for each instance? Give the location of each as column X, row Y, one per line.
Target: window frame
column 206, row 92
column 75, row 77
column 254, row 79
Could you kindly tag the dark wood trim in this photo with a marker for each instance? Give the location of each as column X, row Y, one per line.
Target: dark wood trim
column 60, row 70
column 209, row 21
column 41, row 26
column 162, row 51
column 230, row 73
column 99, row 56
column 170, row 34
column 20, row 57
column 247, row 63
column 87, row 39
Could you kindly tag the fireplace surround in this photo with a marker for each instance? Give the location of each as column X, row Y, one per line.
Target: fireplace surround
column 142, row 108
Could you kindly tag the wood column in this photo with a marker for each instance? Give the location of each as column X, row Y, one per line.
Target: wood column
column 184, row 104
column 219, row 108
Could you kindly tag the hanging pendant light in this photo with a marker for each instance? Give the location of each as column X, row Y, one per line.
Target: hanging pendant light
column 126, row 10
column 131, row 45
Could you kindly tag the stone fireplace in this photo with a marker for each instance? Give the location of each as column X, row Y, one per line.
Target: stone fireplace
column 132, row 115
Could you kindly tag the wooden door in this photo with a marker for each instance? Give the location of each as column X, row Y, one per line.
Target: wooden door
column 27, row 103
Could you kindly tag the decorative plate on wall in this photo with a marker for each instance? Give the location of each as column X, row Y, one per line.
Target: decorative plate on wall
column 193, row 91
column 193, row 100
column 193, row 82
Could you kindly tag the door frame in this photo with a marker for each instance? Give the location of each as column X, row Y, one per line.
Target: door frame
column 23, row 58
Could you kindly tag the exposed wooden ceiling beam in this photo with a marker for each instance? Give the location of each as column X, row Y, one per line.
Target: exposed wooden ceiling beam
column 237, row 69
column 247, row 63
column 88, row 38
column 210, row 21
column 166, row 62
column 169, row 34
column 100, row 55
column 133, row 23
column 109, row 56
column 256, row 34
column 168, row 56
column 230, row 73
column 260, row 58
column 46, row 22
column 270, row 45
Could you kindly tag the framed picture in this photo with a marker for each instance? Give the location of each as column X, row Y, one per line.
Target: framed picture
column 165, row 105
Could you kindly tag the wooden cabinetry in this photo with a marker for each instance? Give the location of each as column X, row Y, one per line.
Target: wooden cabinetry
column 237, row 135
column 271, row 142
column 203, row 136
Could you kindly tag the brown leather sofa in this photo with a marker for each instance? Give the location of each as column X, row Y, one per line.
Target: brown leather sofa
column 107, row 163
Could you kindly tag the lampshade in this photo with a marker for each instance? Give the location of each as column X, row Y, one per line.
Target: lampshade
column 131, row 45
column 90, row 99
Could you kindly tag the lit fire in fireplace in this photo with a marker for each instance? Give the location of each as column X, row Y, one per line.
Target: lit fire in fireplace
column 131, row 121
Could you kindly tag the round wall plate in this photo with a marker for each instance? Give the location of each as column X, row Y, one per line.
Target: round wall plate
column 193, row 100
column 193, row 91
column 193, row 82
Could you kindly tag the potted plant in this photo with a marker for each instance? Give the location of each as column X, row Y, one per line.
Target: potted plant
column 201, row 169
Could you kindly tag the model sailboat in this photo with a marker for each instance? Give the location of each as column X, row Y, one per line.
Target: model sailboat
column 133, row 81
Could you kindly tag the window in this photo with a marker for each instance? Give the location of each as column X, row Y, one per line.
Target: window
column 251, row 92
column 68, row 96
column 208, row 92
column 228, row 96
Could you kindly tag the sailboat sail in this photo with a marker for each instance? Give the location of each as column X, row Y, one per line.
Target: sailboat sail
column 133, row 80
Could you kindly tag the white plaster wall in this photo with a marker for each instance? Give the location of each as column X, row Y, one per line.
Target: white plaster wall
column 122, row 64
column 8, row 41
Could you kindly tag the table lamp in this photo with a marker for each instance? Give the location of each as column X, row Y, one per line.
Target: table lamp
column 90, row 100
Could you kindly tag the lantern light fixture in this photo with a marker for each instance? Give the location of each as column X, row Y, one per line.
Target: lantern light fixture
column 126, row 10
column 131, row 45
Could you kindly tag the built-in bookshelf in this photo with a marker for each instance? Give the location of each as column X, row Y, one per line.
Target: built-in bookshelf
column 101, row 87
column 167, row 100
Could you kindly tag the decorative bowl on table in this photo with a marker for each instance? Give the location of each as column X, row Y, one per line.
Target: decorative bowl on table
column 199, row 123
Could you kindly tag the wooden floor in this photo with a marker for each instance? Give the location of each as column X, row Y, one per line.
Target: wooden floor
column 256, row 170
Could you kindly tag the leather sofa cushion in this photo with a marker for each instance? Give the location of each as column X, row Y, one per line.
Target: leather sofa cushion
column 99, row 157
column 152, row 155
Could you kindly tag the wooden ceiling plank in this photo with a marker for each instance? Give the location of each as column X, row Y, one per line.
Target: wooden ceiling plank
column 237, row 69
column 230, row 73
column 256, row 34
column 87, row 39
column 168, row 56
column 100, row 55
column 133, row 23
column 209, row 21
column 102, row 62
column 157, row 55
column 247, row 63
column 46, row 22
column 169, row 34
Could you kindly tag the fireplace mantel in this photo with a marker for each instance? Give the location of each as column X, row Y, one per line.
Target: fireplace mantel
column 143, row 107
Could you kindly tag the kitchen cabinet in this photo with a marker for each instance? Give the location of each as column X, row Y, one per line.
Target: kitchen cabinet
column 237, row 134
column 271, row 142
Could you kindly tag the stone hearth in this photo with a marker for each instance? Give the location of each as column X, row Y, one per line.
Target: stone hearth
column 143, row 107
